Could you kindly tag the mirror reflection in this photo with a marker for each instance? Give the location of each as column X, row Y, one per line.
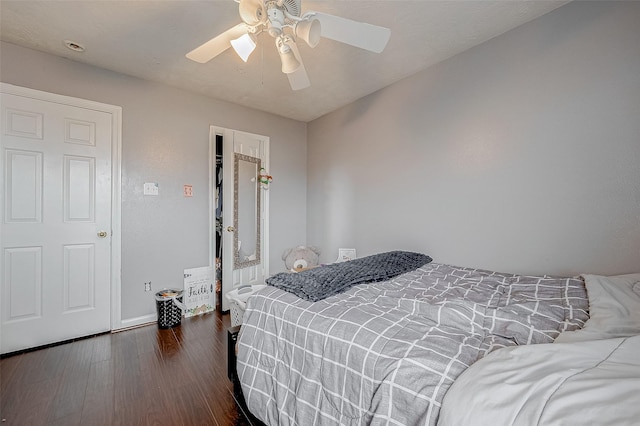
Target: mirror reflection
column 246, row 212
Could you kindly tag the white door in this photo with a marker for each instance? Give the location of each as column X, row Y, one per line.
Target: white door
column 253, row 146
column 56, row 221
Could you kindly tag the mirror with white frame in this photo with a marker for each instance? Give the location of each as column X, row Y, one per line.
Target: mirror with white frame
column 246, row 211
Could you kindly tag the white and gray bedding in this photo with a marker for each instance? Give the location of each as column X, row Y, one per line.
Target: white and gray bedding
column 593, row 382
column 387, row 352
column 589, row 376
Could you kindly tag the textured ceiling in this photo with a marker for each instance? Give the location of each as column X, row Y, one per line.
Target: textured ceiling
column 149, row 39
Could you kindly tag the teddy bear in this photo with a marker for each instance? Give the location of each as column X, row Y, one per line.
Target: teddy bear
column 301, row 258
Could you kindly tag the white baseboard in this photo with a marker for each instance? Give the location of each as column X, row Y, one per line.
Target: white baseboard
column 136, row 322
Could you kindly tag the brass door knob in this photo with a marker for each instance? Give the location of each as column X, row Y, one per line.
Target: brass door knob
column 230, row 229
column 102, row 234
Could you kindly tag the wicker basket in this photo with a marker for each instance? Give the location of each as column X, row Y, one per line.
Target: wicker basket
column 238, row 301
column 237, row 312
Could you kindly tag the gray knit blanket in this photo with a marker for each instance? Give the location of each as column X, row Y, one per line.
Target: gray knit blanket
column 328, row 280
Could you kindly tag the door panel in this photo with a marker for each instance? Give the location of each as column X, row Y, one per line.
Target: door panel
column 79, row 277
column 56, row 270
column 23, row 283
column 79, row 185
column 23, row 190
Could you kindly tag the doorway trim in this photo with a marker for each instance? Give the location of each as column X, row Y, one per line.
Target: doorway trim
column 116, row 178
column 217, row 130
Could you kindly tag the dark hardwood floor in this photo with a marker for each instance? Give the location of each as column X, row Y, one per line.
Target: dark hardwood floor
column 143, row 376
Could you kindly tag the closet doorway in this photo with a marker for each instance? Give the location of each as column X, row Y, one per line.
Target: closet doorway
column 239, row 210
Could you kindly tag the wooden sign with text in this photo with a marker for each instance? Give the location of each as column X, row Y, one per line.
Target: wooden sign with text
column 199, row 291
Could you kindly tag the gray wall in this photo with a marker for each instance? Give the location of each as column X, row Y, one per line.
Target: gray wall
column 165, row 139
column 520, row 155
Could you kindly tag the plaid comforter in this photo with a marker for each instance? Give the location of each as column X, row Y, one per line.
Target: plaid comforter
column 387, row 352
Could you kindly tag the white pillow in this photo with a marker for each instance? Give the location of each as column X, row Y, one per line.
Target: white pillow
column 614, row 308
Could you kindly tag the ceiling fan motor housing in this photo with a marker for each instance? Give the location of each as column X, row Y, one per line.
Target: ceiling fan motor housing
column 291, row 6
column 276, row 21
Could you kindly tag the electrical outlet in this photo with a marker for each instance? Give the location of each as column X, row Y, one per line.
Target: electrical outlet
column 188, row 191
column 346, row 254
column 147, row 286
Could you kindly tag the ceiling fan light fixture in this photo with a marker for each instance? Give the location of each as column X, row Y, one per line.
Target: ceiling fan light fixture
column 289, row 61
column 309, row 30
column 244, row 46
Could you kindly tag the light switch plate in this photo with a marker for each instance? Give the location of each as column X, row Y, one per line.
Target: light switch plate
column 188, row 191
column 150, row 188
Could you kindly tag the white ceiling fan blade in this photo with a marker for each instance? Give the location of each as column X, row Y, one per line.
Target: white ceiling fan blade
column 217, row 45
column 298, row 79
column 358, row 34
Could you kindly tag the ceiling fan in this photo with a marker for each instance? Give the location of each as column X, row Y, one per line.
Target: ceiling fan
column 282, row 20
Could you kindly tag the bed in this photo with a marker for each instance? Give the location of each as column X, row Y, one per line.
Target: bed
column 413, row 349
